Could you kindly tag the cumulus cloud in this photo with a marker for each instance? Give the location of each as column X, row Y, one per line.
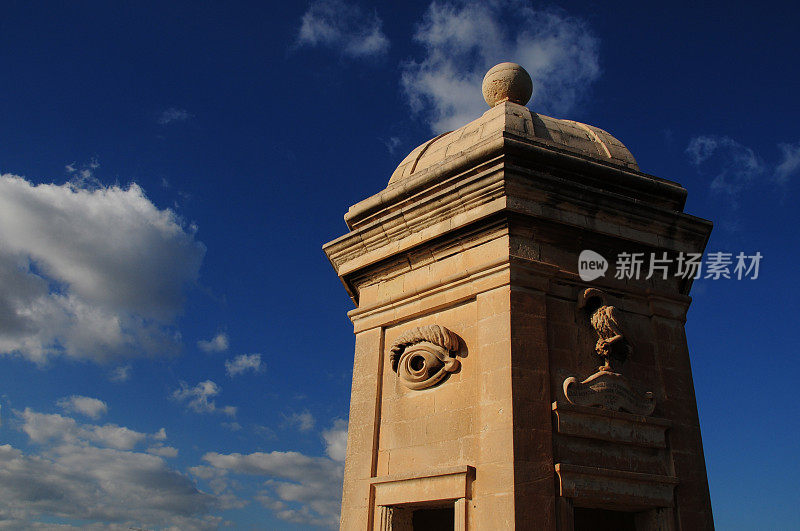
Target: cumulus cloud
column 172, row 115
column 243, row 363
column 218, row 343
column 91, row 473
column 44, row 428
column 463, row 39
column 93, row 484
column 300, row 489
column 163, row 451
column 302, row 421
column 90, row 273
column 41, row 427
column 91, row 407
column 198, row 398
column 734, row 167
column 336, row 440
column 343, row 27
column 790, row 162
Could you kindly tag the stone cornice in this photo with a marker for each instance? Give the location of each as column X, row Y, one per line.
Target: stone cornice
column 546, row 155
column 506, row 173
column 503, row 187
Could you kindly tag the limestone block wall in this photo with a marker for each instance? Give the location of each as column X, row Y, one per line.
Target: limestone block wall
column 435, row 427
column 466, row 420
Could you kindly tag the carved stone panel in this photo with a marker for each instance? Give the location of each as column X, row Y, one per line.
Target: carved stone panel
column 608, row 390
column 594, row 486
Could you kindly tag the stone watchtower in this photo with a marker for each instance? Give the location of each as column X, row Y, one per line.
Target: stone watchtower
column 493, row 388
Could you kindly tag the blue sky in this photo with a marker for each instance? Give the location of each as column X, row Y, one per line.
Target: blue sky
column 168, row 322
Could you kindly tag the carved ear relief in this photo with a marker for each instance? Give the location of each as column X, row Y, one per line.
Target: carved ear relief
column 423, row 356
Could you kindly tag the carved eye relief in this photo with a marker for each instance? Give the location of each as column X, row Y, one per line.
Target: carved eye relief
column 424, row 356
column 425, row 365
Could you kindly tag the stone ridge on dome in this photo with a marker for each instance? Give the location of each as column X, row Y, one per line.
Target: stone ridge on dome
column 581, row 139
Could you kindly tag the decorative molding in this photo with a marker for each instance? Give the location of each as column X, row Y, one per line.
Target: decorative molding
column 608, row 390
column 602, row 487
column 423, row 356
column 448, row 483
column 612, row 426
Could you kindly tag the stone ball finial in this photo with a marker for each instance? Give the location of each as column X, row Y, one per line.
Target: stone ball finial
column 507, row 82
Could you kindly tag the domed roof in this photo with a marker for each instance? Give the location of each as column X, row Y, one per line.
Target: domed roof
column 506, row 117
column 507, row 87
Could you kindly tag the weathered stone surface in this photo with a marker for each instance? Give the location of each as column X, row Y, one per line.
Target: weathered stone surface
column 614, row 489
column 608, row 390
column 592, row 423
column 527, row 127
column 507, row 82
column 449, row 483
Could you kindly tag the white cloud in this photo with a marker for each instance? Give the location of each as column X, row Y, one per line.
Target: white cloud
column 203, row 471
column 91, row 407
column 343, row 27
column 790, row 162
column 90, row 273
column 392, row 144
column 160, row 435
column 218, row 343
column 98, row 485
column 303, row 515
column 44, row 428
column 462, row 40
column 115, row 436
column 336, row 440
column 120, row 374
column 298, row 488
column 301, row 489
column 303, row 421
column 163, row 451
column 173, row 114
column 264, row 432
column 89, row 473
column 41, row 427
column 221, row 484
column 734, row 166
column 243, row 363
column 198, row 398
column 83, row 174
column 701, row 148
